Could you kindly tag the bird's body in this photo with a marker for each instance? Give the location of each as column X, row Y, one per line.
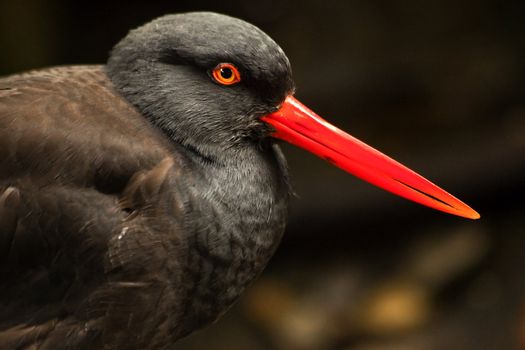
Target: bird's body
column 138, row 199
column 110, row 232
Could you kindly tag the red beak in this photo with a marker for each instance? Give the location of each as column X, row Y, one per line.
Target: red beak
column 298, row 125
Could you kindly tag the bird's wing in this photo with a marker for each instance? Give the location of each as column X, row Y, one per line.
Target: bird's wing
column 90, row 215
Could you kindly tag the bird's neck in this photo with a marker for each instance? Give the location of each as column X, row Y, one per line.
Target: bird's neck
column 240, row 208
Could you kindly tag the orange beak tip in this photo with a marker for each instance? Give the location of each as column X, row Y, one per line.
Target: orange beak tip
column 474, row 215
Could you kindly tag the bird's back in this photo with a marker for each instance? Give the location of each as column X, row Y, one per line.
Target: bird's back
column 89, row 209
column 71, row 113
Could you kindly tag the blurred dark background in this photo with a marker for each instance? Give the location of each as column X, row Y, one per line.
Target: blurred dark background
column 438, row 85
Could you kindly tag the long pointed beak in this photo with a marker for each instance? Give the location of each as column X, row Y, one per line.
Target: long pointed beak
column 298, row 125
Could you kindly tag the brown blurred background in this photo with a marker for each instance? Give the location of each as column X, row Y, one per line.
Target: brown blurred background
column 438, row 85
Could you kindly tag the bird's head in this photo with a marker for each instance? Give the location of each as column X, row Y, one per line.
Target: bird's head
column 213, row 82
column 204, row 78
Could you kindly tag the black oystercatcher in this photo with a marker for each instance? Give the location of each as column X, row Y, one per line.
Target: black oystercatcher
column 138, row 199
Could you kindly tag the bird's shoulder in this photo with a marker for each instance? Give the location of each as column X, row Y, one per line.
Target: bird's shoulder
column 69, row 123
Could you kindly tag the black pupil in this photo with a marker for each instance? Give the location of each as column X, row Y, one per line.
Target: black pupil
column 226, row 73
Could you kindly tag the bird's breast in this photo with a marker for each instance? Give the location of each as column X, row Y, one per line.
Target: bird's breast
column 236, row 220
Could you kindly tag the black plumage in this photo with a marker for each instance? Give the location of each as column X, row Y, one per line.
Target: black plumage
column 138, row 199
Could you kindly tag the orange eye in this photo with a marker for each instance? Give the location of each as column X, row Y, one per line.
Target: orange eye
column 226, row 74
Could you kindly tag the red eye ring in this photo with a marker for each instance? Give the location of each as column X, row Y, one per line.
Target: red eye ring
column 226, row 74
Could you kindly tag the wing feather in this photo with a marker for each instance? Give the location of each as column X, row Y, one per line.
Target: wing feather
column 90, row 211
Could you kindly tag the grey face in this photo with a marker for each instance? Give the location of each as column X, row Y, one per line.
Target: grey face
column 164, row 67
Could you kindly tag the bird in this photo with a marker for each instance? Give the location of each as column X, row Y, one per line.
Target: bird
column 139, row 198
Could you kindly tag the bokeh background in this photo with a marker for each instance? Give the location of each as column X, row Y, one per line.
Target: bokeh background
column 438, row 85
